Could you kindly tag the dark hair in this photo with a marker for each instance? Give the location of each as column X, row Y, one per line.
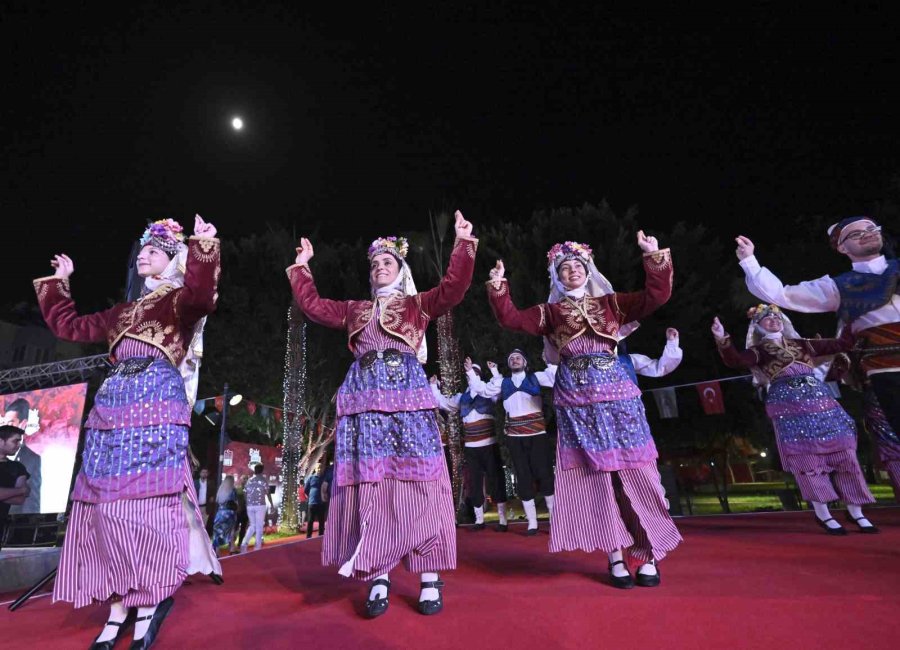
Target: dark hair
column 7, row 431
column 258, row 468
column 20, row 406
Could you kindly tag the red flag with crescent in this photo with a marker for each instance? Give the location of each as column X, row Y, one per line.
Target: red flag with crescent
column 711, row 397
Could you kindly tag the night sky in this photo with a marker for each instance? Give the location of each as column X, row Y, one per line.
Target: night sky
column 360, row 122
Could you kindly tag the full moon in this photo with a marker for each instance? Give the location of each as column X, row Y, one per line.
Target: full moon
column 237, row 124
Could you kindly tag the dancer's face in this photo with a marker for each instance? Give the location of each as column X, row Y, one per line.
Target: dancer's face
column 10, row 446
column 861, row 239
column 572, row 274
column 383, row 269
column 516, row 362
column 771, row 324
column 151, row 261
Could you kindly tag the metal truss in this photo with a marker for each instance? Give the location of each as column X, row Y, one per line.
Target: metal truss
column 14, row 380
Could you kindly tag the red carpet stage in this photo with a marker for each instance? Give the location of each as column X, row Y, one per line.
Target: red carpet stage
column 745, row 581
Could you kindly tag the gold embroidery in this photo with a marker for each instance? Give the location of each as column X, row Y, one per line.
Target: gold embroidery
column 206, row 250
column 304, row 270
column 658, row 260
column 42, row 289
column 392, row 320
column 497, row 286
column 470, row 244
column 543, row 309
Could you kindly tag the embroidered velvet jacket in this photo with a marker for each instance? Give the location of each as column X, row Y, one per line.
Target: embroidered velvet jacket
column 164, row 318
column 404, row 317
column 773, row 358
column 568, row 319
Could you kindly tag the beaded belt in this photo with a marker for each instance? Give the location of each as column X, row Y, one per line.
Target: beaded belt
column 391, row 357
column 132, row 366
column 585, row 361
column 800, row 382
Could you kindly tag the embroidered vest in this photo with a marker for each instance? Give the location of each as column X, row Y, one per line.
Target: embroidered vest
column 529, row 385
column 864, row 292
column 467, row 404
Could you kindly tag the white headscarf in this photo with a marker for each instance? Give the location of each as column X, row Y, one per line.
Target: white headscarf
column 756, row 335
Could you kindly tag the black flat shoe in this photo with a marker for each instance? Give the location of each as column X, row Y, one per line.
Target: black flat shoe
column 840, row 530
column 377, row 607
column 869, row 530
column 531, row 532
column 109, row 645
column 215, row 577
column 501, row 528
column 644, row 580
column 623, row 582
column 480, row 526
column 156, row 621
column 430, row 607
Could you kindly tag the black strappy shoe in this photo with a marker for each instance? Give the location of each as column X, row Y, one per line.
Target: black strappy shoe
column 109, row 645
column 156, row 621
column 840, row 530
column 623, row 582
column 480, row 526
column 871, row 529
column 501, row 528
column 429, row 607
column 377, row 607
column 644, row 580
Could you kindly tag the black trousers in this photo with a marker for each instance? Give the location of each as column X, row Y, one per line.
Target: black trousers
column 887, row 389
column 485, row 469
column 317, row 512
column 532, row 463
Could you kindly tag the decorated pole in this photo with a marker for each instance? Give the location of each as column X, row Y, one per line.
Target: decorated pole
column 450, row 370
column 295, row 381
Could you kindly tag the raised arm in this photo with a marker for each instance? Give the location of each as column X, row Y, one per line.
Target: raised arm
column 825, row 347
column 54, row 297
column 201, row 275
column 731, row 357
column 657, row 285
column 547, row 376
column 812, row 296
column 667, row 362
column 532, row 320
column 445, row 403
column 453, row 286
column 330, row 313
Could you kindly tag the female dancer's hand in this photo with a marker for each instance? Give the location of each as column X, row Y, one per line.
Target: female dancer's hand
column 203, row 228
column 64, row 266
column 647, row 244
column 718, row 329
column 463, row 227
column 671, row 334
column 305, row 252
column 498, row 271
column 744, row 247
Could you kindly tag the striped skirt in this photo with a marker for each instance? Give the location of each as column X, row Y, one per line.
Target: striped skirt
column 372, row 527
column 597, row 510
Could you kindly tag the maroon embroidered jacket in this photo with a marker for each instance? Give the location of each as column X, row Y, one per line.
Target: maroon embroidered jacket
column 405, row 317
column 773, row 358
column 568, row 319
column 164, row 318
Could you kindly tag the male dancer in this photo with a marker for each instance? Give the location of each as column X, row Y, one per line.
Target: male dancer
column 480, row 447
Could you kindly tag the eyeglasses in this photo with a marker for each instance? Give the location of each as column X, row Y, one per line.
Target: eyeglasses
column 856, row 235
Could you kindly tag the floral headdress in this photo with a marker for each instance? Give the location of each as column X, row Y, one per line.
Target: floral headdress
column 756, row 314
column 569, row 250
column 396, row 246
column 165, row 234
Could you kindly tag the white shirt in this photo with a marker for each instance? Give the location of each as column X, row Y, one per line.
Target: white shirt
column 819, row 295
column 670, row 359
column 451, row 405
column 519, row 403
column 201, row 494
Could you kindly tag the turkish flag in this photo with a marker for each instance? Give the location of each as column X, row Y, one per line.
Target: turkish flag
column 711, row 397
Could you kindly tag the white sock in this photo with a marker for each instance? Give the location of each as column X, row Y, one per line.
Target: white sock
column 647, row 569
column 430, row 593
column 531, row 513
column 479, row 515
column 379, row 591
column 117, row 614
column 619, row 570
column 823, row 514
column 140, row 627
column 501, row 513
column 856, row 512
column 548, row 499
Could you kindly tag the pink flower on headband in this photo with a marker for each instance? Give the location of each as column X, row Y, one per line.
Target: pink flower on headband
column 397, row 246
column 569, row 249
column 164, row 230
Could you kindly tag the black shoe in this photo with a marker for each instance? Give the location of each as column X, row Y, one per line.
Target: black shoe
column 501, row 528
column 840, row 530
column 624, row 582
column 156, row 620
column 480, row 526
column 531, row 532
column 217, row 578
column 644, row 580
column 429, row 607
column 109, row 645
column 377, row 607
column 870, row 529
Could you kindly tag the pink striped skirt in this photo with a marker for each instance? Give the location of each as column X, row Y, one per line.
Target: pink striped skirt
column 597, row 510
column 372, row 527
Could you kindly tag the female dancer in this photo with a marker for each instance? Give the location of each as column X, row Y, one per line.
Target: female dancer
column 134, row 531
column 816, row 438
column 608, row 491
column 391, row 498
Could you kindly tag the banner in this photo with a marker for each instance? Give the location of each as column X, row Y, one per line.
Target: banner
column 666, row 403
column 711, row 397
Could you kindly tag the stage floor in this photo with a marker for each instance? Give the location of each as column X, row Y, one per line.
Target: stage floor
column 769, row 580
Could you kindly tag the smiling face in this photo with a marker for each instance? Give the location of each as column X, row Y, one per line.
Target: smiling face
column 383, row 269
column 771, row 324
column 516, row 362
column 572, row 274
column 861, row 240
column 151, row 261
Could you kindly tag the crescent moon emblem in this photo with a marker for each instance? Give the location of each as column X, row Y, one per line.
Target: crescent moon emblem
column 712, row 394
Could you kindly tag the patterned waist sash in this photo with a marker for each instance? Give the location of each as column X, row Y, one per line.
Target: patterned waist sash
column 525, row 425
column 880, row 349
column 478, row 430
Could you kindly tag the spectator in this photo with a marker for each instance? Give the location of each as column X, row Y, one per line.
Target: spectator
column 204, row 495
column 313, row 489
column 240, row 528
column 256, row 494
column 17, row 414
column 14, row 488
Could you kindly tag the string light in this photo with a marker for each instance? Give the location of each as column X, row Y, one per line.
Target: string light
column 450, row 370
column 295, row 382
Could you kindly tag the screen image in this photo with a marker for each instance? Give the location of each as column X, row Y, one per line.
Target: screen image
column 51, row 418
